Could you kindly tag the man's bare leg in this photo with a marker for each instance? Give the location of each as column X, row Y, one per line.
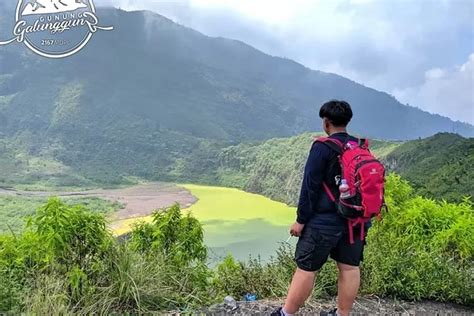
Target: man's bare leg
column 347, row 287
column 300, row 289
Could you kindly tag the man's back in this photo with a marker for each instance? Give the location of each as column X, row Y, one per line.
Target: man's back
column 315, row 206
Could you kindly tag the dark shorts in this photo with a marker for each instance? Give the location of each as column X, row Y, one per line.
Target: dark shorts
column 315, row 245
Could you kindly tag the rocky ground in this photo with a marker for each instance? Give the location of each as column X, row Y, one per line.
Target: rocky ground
column 362, row 307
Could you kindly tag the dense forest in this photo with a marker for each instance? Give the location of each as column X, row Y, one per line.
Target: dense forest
column 438, row 167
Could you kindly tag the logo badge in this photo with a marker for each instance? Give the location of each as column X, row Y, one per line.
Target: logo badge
column 55, row 28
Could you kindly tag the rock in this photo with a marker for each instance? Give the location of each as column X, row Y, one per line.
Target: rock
column 230, row 303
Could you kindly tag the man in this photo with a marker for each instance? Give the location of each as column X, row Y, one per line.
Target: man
column 321, row 230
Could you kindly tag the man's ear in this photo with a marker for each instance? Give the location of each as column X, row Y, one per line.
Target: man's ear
column 326, row 124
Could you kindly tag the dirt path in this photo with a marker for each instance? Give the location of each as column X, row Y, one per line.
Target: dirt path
column 139, row 200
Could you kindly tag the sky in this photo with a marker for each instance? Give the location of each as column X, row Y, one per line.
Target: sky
column 420, row 51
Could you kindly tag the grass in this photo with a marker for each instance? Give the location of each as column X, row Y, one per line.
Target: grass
column 234, row 221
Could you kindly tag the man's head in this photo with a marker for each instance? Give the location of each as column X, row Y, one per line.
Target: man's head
column 336, row 115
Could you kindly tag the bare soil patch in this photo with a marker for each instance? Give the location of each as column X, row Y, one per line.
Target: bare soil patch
column 142, row 200
column 139, row 200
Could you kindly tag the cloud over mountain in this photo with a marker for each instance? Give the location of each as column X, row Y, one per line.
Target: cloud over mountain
column 387, row 45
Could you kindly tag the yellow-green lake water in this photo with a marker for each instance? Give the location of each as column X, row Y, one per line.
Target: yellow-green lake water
column 236, row 222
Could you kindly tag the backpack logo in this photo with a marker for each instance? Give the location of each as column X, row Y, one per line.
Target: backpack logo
column 55, row 28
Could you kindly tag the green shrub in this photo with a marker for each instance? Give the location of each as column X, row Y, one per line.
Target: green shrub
column 177, row 242
column 179, row 238
column 61, row 242
column 422, row 249
column 238, row 278
column 14, row 209
column 46, row 294
column 229, row 278
column 66, row 261
column 270, row 279
column 145, row 283
column 21, row 257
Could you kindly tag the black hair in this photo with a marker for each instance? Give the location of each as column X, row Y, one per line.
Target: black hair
column 338, row 112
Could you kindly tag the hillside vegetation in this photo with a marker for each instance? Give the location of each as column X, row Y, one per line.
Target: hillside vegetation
column 23, row 166
column 441, row 166
column 438, row 167
column 67, row 262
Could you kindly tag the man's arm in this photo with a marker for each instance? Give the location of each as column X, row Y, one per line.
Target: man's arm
column 312, row 182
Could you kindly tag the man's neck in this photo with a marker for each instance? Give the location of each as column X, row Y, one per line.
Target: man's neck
column 338, row 130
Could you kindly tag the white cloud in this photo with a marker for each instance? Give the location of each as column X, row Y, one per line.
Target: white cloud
column 281, row 11
column 448, row 91
column 434, row 73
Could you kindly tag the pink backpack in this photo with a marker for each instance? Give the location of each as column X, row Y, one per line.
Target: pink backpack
column 365, row 176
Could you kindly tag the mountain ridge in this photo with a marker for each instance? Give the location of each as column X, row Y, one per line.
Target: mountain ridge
column 302, row 65
column 227, row 76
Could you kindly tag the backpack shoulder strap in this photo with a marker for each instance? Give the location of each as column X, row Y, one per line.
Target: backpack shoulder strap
column 338, row 147
column 364, row 143
column 332, row 143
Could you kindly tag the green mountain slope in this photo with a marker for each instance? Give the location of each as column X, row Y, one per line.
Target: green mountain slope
column 21, row 168
column 273, row 168
column 140, row 100
column 439, row 167
column 176, row 78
